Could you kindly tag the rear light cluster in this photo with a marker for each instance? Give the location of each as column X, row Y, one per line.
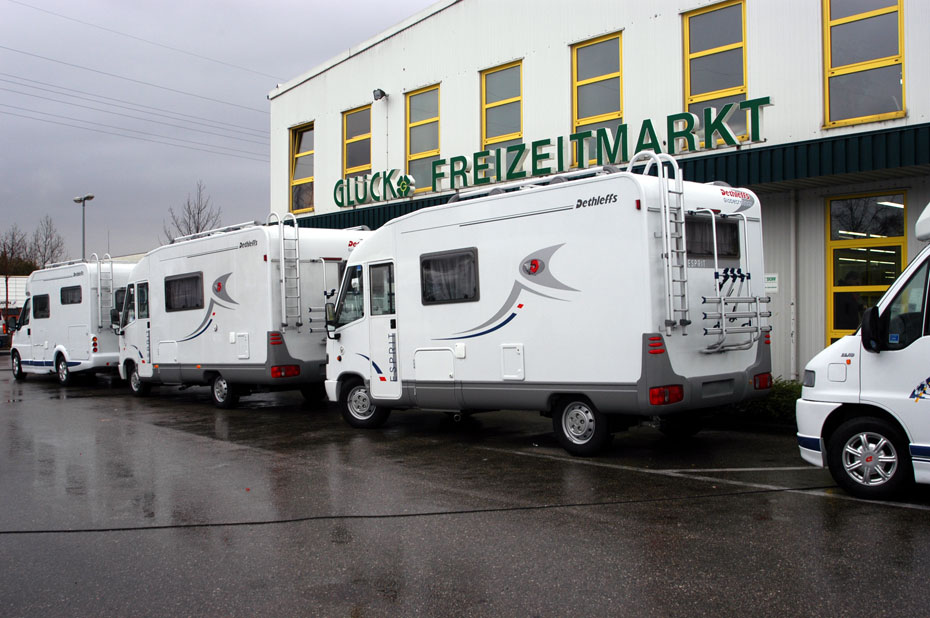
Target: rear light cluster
column 275, row 338
column 656, row 345
column 94, row 341
column 285, row 371
column 768, row 339
column 762, row 381
column 665, row 395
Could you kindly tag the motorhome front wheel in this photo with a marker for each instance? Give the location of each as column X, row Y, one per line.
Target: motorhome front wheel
column 868, row 457
column 136, row 385
column 17, row 364
column 357, row 408
column 579, row 427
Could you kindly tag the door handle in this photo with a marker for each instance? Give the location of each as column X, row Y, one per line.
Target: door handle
column 393, row 322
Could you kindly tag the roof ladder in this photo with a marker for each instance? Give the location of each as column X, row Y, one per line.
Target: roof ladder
column 289, row 236
column 104, row 288
column 674, row 238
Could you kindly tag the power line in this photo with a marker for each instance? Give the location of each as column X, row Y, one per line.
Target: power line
column 206, row 121
column 162, row 45
column 97, row 109
column 135, row 81
column 64, row 124
column 109, row 126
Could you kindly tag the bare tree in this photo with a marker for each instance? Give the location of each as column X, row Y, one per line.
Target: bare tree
column 197, row 214
column 14, row 253
column 47, row 244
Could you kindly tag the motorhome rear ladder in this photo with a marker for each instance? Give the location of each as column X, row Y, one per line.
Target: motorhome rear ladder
column 289, row 236
column 674, row 237
column 104, row 288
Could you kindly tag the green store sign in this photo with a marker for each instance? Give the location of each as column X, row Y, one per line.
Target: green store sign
column 685, row 133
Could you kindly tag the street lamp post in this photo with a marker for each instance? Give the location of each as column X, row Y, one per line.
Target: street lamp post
column 81, row 200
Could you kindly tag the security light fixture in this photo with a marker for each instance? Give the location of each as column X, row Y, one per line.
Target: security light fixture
column 378, row 94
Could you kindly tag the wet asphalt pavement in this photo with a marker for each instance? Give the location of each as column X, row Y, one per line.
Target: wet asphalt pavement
column 118, row 506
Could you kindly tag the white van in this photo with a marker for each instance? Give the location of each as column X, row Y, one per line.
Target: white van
column 864, row 410
column 598, row 297
column 64, row 326
column 239, row 309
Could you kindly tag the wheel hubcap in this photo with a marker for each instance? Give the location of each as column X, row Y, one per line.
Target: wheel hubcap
column 15, row 364
column 578, row 423
column 134, row 380
column 359, row 403
column 220, row 389
column 62, row 370
column 870, row 459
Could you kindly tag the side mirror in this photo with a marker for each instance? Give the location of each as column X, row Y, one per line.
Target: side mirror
column 114, row 316
column 330, row 313
column 870, row 331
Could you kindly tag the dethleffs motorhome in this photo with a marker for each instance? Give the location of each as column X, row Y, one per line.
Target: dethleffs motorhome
column 64, row 326
column 864, row 410
column 238, row 309
column 599, row 301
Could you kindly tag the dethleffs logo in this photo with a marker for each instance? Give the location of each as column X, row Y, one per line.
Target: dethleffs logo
column 380, row 187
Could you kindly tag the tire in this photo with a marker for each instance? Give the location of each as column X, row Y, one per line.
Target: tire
column 16, row 364
column 225, row 395
column 357, row 408
column 869, row 458
column 136, row 385
column 62, row 371
column 580, row 428
column 679, row 426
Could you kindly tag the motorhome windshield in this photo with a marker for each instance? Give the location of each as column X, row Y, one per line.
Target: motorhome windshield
column 351, row 304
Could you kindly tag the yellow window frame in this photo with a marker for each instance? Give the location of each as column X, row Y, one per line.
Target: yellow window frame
column 347, row 171
column 296, row 134
column 688, row 56
column 485, row 106
column 890, row 241
column 413, row 156
column 830, row 71
column 577, row 84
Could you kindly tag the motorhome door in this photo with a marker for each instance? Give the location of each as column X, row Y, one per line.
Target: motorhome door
column 136, row 324
column 23, row 336
column 385, row 383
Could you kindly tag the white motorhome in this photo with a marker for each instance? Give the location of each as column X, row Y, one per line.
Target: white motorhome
column 239, row 309
column 599, row 301
column 864, row 410
column 64, row 326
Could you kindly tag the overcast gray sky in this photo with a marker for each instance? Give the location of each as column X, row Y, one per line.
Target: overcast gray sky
column 91, row 96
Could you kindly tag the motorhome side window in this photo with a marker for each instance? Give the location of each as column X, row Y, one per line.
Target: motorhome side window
column 382, row 289
column 184, row 292
column 40, row 306
column 71, row 295
column 449, row 277
column 129, row 309
column 142, row 300
column 24, row 314
column 700, row 232
column 905, row 314
column 351, row 304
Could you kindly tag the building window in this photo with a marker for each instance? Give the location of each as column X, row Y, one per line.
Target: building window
column 183, row 292
column 863, row 61
column 866, row 251
column 715, row 60
column 449, row 277
column 597, row 87
column 302, row 169
column 356, row 142
column 422, row 135
column 71, row 295
column 502, row 106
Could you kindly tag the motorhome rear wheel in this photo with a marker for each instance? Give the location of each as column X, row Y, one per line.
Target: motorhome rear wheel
column 17, row 365
column 357, row 408
column 580, row 428
column 225, row 395
column 868, row 457
column 61, row 368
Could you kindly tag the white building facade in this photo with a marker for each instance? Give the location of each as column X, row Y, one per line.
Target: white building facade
column 822, row 107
